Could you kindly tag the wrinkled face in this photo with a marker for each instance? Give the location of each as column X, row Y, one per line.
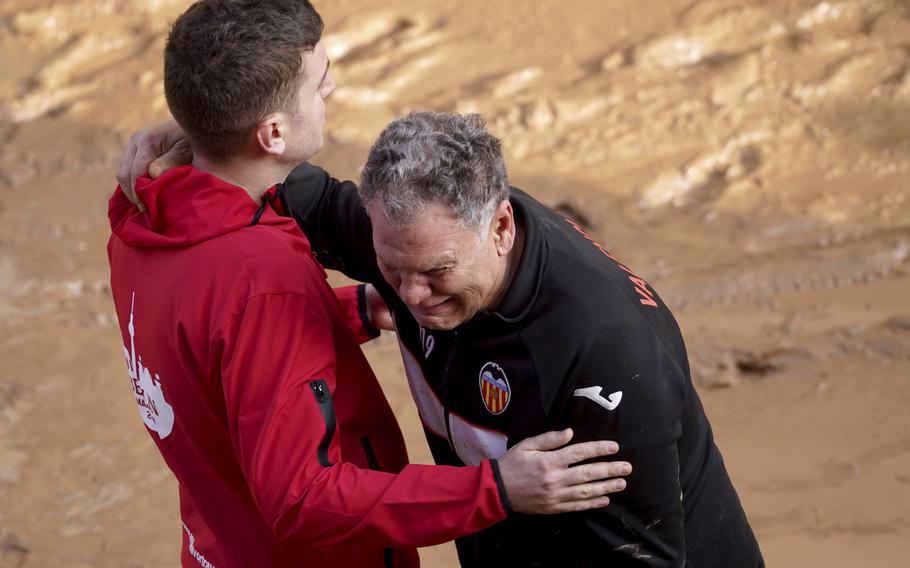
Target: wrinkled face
column 305, row 137
column 443, row 272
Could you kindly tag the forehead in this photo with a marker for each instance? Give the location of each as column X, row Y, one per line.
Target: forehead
column 433, row 236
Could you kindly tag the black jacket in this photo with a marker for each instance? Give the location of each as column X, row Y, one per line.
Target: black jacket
column 579, row 340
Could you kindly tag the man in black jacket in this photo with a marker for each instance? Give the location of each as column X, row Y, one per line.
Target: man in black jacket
column 513, row 321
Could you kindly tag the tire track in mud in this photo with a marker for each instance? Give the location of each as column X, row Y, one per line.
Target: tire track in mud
column 837, row 472
column 812, row 520
column 878, row 256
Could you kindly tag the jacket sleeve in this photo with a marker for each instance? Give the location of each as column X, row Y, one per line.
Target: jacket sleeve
column 277, row 359
column 331, row 216
column 636, row 396
column 353, row 303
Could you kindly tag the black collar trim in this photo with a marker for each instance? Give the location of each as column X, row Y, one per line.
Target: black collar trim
column 525, row 285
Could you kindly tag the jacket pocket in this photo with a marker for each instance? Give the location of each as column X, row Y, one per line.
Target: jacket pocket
column 324, row 400
column 327, row 407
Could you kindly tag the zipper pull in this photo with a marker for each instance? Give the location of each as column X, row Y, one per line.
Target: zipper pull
column 320, row 390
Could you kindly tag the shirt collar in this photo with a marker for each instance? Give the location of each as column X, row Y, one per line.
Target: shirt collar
column 525, row 285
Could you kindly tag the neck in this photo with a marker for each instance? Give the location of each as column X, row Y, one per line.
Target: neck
column 253, row 175
column 512, row 260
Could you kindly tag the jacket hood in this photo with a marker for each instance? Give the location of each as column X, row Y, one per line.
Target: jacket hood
column 184, row 206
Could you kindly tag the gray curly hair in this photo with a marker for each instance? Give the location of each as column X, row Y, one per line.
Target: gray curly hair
column 431, row 156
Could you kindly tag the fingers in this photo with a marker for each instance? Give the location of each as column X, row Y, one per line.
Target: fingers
column 547, row 441
column 587, row 496
column 124, row 167
column 583, row 505
column 586, row 486
column 177, row 155
column 162, row 145
column 147, row 150
column 596, row 472
column 585, row 451
column 588, row 491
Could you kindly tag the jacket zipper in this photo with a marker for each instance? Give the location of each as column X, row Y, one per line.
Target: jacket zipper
column 327, row 407
column 324, row 399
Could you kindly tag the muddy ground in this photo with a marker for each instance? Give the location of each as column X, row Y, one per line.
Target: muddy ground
column 750, row 158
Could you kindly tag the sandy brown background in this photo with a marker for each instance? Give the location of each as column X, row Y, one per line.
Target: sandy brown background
column 749, row 157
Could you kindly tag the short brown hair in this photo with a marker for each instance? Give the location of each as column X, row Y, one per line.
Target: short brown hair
column 228, row 63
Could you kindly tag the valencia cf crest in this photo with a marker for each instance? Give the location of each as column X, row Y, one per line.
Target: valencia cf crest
column 494, row 388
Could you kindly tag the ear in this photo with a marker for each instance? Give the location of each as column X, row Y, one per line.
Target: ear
column 270, row 134
column 502, row 228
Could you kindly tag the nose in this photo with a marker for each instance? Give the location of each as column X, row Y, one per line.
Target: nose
column 329, row 86
column 414, row 289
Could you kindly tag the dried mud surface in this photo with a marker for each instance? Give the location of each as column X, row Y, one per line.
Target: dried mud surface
column 750, row 158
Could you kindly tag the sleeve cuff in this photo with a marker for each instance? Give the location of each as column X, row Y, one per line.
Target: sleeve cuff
column 504, row 499
column 372, row 332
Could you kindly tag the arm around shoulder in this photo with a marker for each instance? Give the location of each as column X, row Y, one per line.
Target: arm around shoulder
column 331, row 216
column 278, row 388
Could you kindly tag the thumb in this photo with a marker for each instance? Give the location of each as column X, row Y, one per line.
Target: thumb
column 178, row 155
column 548, row 440
column 158, row 167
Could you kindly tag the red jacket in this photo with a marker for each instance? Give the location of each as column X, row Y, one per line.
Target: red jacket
column 247, row 372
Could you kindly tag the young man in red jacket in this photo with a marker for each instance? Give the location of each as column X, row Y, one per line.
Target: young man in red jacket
column 245, row 365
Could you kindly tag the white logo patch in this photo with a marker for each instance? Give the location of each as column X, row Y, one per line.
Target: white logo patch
column 157, row 414
column 494, row 388
column 593, row 393
column 472, row 443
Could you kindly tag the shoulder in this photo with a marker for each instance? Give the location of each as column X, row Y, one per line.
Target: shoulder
column 591, row 327
column 581, row 298
column 578, row 271
column 274, row 258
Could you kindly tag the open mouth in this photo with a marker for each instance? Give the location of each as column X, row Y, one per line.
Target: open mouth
column 441, row 307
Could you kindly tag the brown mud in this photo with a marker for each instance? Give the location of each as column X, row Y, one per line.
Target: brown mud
column 751, row 159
